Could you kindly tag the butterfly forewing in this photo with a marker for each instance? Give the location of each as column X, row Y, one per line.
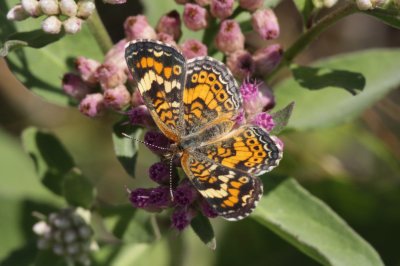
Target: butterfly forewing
column 159, row 71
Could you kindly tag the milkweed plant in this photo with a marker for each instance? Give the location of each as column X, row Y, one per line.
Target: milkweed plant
column 278, row 96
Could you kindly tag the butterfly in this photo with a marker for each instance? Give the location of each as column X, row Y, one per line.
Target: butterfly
column 194, row 103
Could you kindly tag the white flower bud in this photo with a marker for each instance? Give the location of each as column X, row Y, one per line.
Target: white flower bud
column 58, row 249
column 51, row 25
column 85, row 232
column 70, row 236
column 85, row 8
column 43, row 244
column 329, row 3
column 72, row 249
column 41, row 228
column 49, row 7
column 68, row 7
column 72, row 25
column 17, row 13
column 31, row 7
column 364, row 4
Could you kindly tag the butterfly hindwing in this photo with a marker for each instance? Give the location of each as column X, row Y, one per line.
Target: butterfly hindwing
column 210, row 94
column 233, row 194
column 159, row 70
column 249, row 149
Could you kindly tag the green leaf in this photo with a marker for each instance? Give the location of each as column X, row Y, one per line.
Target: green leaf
column 390, row 15
column 281, row 118
column 202, row 227
column 77, row 189
column 316, row 78
column 332, row 106
column 41, row 70
column 52, row 161
column 309, row 224
column 124, row 147
column 34, row 39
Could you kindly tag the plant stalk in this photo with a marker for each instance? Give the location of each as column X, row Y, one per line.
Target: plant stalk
column 99, row 32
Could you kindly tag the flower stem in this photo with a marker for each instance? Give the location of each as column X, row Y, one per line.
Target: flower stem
column 307, row 37
column 99, row 32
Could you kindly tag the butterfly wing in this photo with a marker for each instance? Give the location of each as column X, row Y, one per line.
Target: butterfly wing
column 233, row 194
column 249, row 149
column 159, row 70
column 211, row 95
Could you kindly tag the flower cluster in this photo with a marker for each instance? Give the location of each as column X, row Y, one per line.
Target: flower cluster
column 67, row 14
column 67, row 234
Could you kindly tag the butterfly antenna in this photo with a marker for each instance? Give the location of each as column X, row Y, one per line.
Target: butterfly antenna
column 145, row 143
column 170, row 177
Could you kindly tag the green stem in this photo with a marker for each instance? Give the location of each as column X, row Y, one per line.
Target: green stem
column 99, row 32
column 305, row 39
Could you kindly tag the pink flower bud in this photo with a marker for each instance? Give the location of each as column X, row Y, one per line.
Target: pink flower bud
column 49, row 7
column 92, row 105
column 166, row 38
column 85, row 8
column 87, row 68
column 137, row 27
column 264, row 120
column 72, row 25
column 31, row 7
column 51, row 25
column 251, row 5
column 221, row 8
column 110, row 76
column 68, row 7
column 203, row 2
column 229, row 38
column 193, row 48
column 74, row 86
column 265, row 24
column 116, row 56
column 170, row 24
column 195, row 17
column 241, row 64
column 17, row 13
column 114, row 2
column 117, row 98
column 267, row 58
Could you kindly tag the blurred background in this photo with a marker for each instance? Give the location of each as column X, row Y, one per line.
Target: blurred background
column 354, row 167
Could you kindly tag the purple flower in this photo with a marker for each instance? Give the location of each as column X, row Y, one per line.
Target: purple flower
column 92, row 105
column 140, row 115
column 157, row 142
column 170, row 24
column 151, row 199
column 241, row 64
column 137, row 27
column 257, row 97
column 159, row 173
column 185, row 194
column 264, row 120
column 110, row 76
column 240, row 118
column 117, row 98
column 229, row 37
column 74, row 86
column 195, row 17
column 207, row 210
column 193, row 48
column 267, row 58
column 265, row 23
column 221, row 8
column 137, row 98
column 181, row 218
column 251, row 5
column 87, row 69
